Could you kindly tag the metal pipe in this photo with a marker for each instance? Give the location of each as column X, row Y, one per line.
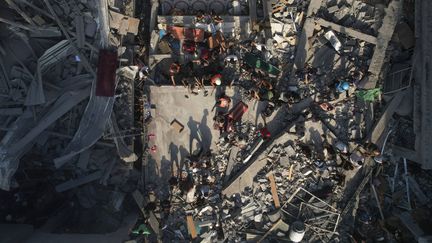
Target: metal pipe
column 394, row 177
column 377, row 201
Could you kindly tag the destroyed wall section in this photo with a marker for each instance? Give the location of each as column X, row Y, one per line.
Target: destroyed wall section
column 423, row 83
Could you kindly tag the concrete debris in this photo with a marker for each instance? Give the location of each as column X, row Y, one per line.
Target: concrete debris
column 123, row 24
column 330, row 36
column 78, row 182
column 215, row 121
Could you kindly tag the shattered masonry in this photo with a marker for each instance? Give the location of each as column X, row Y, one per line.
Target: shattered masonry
column 215, row 121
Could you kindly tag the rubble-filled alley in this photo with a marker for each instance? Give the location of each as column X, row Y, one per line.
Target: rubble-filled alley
column 215, row 121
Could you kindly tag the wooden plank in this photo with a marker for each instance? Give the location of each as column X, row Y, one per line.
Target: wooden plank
column 191, row 226
column 290, row 174
column 274, row 190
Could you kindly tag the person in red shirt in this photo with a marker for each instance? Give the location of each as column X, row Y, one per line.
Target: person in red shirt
column 264, row 133
column 223, row 102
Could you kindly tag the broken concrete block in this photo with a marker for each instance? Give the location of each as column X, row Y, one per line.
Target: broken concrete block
column 258, row 218
column 333, row 9
column 39, row 20
column 341, row 13
column 330, row 35
column 292, row 40
column 128, row 72
column 278, row 38
column 123, row 24
column 276, row 27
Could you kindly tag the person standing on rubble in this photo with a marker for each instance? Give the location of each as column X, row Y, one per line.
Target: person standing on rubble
column 174, row 71
column 222, row 102
column 186, row 182
column 219, row 123
column 201, row 57
column 215, row 80
column 262, row 94
column 342, row 86
column 191, row 83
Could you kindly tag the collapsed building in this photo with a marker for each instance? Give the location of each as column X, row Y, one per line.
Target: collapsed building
column 214, row 121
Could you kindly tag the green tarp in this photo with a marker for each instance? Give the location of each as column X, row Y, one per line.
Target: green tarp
column 368, row 95
column 256, row 62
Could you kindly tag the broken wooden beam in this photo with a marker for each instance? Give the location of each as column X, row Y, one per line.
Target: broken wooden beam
column 191, row 226
column 274, row 190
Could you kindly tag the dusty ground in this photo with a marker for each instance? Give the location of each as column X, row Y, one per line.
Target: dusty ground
column 195, row 113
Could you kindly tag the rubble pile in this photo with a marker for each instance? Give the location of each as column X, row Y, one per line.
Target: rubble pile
column 68, row 134
column 313, row 127
column 359, row 15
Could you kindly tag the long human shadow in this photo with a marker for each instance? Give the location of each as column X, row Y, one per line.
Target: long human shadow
column 165, row 174
column 260, row 106
column 194, row 133
column 173, row 150
column 183, row 154
column 205, row 131
column 316, row 140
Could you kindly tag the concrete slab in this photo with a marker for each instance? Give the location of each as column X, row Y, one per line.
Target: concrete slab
column 195, row 113
column 348, row 31
column 423, row 89
column 382, row 125
column 385, row 33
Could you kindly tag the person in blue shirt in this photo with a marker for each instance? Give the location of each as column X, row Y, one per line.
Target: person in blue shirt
column 342, row 86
